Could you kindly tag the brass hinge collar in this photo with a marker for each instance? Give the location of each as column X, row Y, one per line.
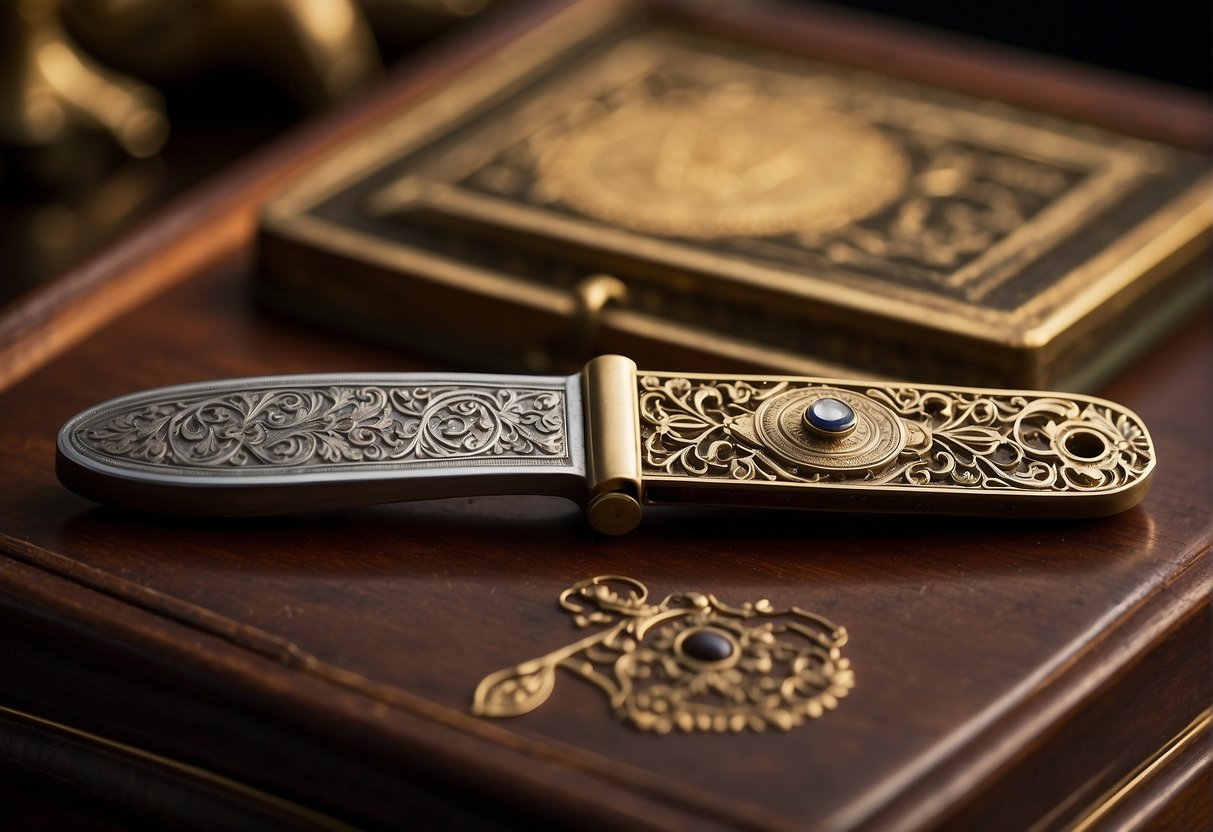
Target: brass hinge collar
column 613, row 430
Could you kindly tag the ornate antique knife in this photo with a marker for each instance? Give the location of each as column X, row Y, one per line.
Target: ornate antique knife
column 611, row 438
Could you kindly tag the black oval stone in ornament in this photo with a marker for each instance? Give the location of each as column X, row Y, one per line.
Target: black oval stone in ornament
column 707, row 646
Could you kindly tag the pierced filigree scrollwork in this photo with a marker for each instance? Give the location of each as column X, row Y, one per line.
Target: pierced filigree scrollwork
column 908, row 436
column 688, row 429
column 304, row 427
column 689, row 662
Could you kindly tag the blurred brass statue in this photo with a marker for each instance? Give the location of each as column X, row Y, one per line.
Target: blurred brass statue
column 60, row 59
column 51, row 94
column 318, row 51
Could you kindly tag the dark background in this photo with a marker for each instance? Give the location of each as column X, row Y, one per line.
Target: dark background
column 1164, row 41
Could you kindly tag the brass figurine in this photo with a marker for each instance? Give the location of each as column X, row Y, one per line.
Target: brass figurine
column 318, row 52
column 50, row 90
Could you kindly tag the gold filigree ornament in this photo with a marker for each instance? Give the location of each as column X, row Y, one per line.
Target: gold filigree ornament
column 689, row 662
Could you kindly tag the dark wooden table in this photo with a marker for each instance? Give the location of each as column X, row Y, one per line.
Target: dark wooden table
column 313, row 671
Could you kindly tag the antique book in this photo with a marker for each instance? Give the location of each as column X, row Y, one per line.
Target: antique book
column 457, row 662
column 670, row 181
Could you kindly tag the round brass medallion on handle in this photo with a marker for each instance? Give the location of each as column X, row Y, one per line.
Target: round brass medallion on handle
column 876, row 438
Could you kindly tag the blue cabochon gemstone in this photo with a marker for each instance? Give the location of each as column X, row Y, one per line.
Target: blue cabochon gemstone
column 829, row 415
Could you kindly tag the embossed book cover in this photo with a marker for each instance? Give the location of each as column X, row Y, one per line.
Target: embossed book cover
column 622, row 182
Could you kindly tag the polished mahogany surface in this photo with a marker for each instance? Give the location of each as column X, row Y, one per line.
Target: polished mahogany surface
column 1005, row 672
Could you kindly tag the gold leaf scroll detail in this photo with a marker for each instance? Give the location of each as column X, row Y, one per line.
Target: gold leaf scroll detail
column 784, row 666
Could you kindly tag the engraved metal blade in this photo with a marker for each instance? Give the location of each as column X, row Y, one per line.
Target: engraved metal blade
column 611, row 438
column 295, row 443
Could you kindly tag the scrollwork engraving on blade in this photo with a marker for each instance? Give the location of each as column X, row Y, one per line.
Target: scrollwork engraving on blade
column 298, row 427
column 935, row 438
column 689, row 662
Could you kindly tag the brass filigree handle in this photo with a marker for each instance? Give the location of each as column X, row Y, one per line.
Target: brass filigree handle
column 688, row 662
column 612, row 438
column 856, row 445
